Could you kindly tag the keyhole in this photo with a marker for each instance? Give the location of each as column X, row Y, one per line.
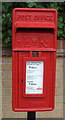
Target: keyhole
column 22, row 81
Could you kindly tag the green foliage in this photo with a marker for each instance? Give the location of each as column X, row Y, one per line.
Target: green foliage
column 7, row 8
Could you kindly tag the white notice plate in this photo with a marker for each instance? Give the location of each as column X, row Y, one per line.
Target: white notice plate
column 34, row 77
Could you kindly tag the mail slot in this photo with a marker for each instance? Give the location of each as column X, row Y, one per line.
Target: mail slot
column 34, row 34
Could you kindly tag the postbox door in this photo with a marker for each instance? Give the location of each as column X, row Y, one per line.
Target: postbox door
column 32, row 99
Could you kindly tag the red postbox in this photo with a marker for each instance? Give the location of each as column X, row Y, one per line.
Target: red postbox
column 34, row 34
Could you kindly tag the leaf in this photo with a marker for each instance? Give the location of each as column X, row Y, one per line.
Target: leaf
column 7, row 40
column 60, row 18
column 31, row 4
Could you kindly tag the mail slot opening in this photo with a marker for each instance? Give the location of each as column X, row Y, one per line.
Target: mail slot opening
column 34, row 30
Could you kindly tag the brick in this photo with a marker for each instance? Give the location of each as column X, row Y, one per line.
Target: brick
column 59, row 91
column 6, row 107
column 64, row 70
column 63, row 80
column 64, row 91
column 14, row 114
column 1, row 100
column 59, row 75
column 9, row 115
column 6, row 92
column 59, row 60
column 6, row 67
column 64, row 108
column 0, row 76
column 64, row 66
column 0, row 67
column 6, row 84
column 6, row 100
column 64, row 111
column 0, row 107
column 59, row 66
column 64, row 98
column 0, row 84
column 49, row 114
column 7, row 75
column 59, row 99
column 59, row 106
column 63, row 59
column 23, row 115
column 0, row 59
column 1, row 116
column 0, row 92
column 6, row 59
column 59, row 83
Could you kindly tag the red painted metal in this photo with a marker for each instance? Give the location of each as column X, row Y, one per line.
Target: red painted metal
column 33, row 30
